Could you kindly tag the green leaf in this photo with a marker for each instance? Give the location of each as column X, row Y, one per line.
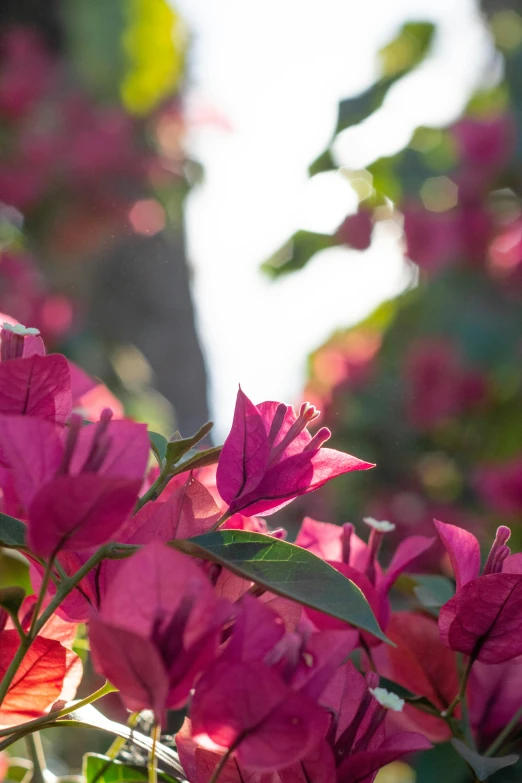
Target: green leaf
column 12, row 532
column 177, row 448
column 102, row 769
column 433, row 590
column 297, row 252
column 408, row 49
column 200, row 460
column 11, row 599
column 324, row 162
column 285, row 569
column 483, row 766
column 158, row 444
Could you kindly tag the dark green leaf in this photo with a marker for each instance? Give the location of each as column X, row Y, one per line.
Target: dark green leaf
column 354, row 110
column 288, row 570
column 483, row 766
column 166, row 758
column 178, row 447
column 101, row 769
column 297, row 252
column 158, row 444
column 11, row 599
column 12, row 532
column 200, row 460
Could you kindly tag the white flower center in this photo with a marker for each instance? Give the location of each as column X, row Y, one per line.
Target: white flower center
column 21, row 329
column 382, row 527
column 387, row 699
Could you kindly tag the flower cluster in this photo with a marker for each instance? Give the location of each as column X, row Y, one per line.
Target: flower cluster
column 289, row 662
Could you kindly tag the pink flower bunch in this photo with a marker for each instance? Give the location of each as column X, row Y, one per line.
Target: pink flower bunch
column 193, row 603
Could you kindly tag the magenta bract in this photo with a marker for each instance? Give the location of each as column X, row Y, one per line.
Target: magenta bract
column 484, row 618
column 269, row 458
column 162, row 598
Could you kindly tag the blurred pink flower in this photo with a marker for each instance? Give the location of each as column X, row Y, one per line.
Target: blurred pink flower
column 500, row 486
column 439, row 387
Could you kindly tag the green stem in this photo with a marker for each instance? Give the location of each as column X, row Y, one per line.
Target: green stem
column 155, row 490
column 36, row 755
column 462, row 690
column 18, row 626
column 39, row 723
column 504, row 734
column 25, row 643
column 41, row 596
column 221, row 521
column 66, row 587
column 156, row 733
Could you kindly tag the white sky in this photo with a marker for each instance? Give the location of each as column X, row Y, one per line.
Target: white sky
column 276, row 69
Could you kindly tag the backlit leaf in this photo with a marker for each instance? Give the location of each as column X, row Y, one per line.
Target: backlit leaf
column 287, row 570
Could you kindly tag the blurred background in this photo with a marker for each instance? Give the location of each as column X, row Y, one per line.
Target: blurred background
column 318, row 200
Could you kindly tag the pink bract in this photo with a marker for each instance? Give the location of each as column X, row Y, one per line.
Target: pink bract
column 269, row 458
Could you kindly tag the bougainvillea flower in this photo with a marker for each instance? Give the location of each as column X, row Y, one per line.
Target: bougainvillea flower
column 463, row 550
column 77, row 488
column 483, row 616
column 284, row 666
column 359, row 562
column 423, row 665
column 32, row 384
column 303, row 659
column 38, row 682
column 269, row 457
column 199, row 761
column 188, row 511
column 246, row 706
column 359, row 732
column 158, row 629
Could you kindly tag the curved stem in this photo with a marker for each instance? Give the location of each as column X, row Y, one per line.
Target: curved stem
column 220, row 766
column 40, row 723
column 462, row 690
column 156, row 733
column 221, row 521
column 41, row 596
column 66, row 587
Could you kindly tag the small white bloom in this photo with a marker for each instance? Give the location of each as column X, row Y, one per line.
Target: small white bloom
column 387, row 699
column 382, row 527
column 21, row 329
